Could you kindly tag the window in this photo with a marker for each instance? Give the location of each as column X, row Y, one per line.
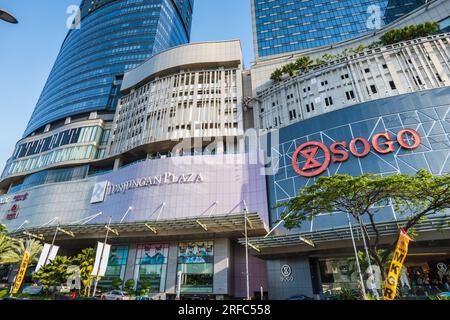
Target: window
column 392, row 85
column 419, row 81
column 350, row 95
column 116, row 266
column 367, row 70
column 292, row 114
column 345, row 76
column 151, row 267
column 373, row 89
column 196, row 264
column 329, row 101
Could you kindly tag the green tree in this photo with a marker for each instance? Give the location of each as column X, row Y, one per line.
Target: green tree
column 6, row 247
column 17, row 250
column 85, row 261
column 409, row 33
column 303, row 64
column 276, row 75
column 417, row 196
column 290, row 69
column 129, row 286
column 359, row 49
column 328, row 57
column 428, row 195
column 144, row 286
column 54, row 273
column 116, row 283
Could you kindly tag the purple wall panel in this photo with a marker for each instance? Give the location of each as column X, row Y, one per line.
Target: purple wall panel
column 227, row 180
column 257, row 270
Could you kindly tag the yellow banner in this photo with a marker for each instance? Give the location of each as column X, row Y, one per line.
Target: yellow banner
column 22, row 272
column 396, row 266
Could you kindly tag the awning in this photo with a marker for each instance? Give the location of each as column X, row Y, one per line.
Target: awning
column 310, row 239
column 227, row 224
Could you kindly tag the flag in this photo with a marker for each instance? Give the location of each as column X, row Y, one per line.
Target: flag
column 47, row 255
column 22, row 272
column 101, row 260
column 395, row 270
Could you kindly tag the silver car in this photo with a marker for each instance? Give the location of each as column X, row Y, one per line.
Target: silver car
column 115, row 295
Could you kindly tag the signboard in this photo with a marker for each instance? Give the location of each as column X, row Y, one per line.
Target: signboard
column 13, row 213
column 22, row 272
column 286, row 273
column 396, row 266
column 163, row 179
column 382, row 143
column 99, row 192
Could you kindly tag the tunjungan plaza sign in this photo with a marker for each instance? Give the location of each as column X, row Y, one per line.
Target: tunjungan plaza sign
column 102, row 189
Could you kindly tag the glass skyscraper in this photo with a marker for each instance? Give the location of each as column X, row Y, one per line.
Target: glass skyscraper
column 113, row 36
column 283, row 26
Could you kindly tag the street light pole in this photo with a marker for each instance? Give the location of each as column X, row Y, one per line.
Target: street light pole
column 247, row 275
column 373, row 290
column 51, row 246
column 5, row 16
column 101, row 256
column 363, row 288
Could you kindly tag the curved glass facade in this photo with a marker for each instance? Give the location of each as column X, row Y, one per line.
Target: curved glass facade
column 291, row 25
column 114, row 36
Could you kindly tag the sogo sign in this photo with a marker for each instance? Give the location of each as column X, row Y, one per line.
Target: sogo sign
column 382, row 143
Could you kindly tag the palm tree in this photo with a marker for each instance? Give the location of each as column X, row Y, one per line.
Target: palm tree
column 409, row 33
column 304, row 63
column 17, row 251
column 6, row 247
column 85, row 261
column 276, row 75
column 328, row 57
column 289, row 69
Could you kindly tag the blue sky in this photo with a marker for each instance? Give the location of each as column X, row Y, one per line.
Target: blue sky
column 29, row 49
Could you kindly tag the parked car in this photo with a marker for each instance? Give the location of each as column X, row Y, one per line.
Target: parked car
column 300, row 298
column 33, row 290
column 115, row 295
column 143, row 298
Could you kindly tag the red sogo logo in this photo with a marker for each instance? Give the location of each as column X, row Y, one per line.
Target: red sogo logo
column 382, row 143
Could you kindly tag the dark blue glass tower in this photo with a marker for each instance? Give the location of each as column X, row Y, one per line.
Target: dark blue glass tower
column 283, row 26
column 114, row 36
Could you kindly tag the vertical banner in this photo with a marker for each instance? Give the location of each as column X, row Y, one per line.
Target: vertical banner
column 22, row 272
column 101, row 260
column 48, row 254
column 396, row 266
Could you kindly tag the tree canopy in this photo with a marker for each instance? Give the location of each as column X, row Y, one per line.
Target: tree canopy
column 304, row 63
column 414, row 197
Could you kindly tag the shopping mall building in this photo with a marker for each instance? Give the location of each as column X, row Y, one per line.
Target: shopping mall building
column 195, row 144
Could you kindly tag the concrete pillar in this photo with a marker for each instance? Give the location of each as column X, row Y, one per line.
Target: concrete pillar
column 131, row 264
column 283, row 286
column 117, row 163
column 172, row 263
column 220, row 148
column 222, row 254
